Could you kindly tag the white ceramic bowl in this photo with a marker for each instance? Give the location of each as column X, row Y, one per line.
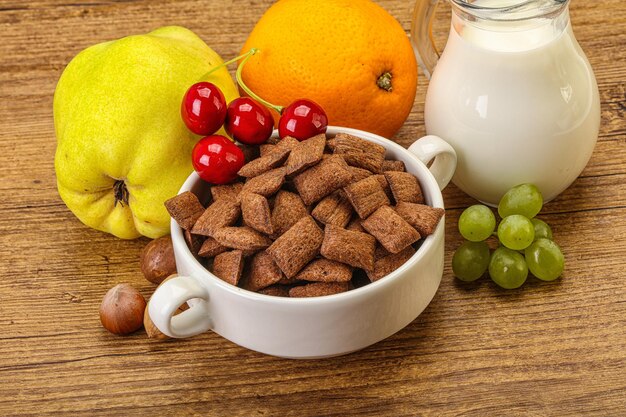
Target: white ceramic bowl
column 312, row 327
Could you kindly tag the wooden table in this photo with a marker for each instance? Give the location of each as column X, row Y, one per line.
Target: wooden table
column 548, row 349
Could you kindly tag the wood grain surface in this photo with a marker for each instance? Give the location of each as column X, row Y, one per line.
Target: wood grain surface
column 547, row 349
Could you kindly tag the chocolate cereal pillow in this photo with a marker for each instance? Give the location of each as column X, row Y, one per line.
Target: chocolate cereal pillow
column 307, row 219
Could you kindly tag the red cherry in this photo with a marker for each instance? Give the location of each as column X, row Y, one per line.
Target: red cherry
column 248, row 121
column 216, row 159
column 302, row 119
column 203, row 108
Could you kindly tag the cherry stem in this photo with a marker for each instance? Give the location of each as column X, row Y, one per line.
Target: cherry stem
column 224, row 64
column 245, row 88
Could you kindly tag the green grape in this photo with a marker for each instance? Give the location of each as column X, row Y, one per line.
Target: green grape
column 516, row 232
column 477, row 223
column 541, row 229
column 545, row 260
column 524, row 199
column 507, row 268
column 470, row 261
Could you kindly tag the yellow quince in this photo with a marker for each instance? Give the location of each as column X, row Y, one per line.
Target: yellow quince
column 122, row 147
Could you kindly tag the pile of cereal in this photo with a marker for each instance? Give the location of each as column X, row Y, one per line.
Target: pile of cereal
column 309, row 218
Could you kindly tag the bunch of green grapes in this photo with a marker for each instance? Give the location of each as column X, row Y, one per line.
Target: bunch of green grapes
column 525, row 243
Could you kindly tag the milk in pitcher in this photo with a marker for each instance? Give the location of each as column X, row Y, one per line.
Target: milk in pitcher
column 518, row 102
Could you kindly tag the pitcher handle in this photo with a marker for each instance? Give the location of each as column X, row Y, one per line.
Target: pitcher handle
column 169, row 296
column 444, row 164
column 422, row 35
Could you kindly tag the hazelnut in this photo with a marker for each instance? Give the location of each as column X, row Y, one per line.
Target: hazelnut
column 152, row 331
column 121, row 311
column 157, row 260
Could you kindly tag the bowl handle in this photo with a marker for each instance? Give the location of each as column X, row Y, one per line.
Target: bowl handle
column 172, row 294
column 444, row 163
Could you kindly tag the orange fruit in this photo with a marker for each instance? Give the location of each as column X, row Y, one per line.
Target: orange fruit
column 350, row 56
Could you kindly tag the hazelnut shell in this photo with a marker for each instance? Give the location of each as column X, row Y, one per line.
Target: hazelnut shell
column 121, row 311
column 157, row 260
column 151, row 330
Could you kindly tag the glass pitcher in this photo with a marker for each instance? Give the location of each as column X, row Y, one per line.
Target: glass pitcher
column 512, row 92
